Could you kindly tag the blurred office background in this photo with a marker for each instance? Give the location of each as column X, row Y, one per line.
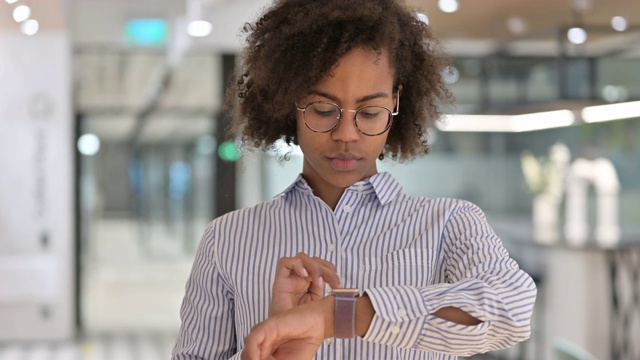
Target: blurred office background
column 113, row 160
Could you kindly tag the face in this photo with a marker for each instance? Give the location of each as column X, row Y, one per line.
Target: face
column 337, row 159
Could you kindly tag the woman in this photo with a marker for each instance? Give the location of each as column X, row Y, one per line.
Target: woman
column 349, row 81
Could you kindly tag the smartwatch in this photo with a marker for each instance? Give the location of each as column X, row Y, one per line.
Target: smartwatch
column 345, row 313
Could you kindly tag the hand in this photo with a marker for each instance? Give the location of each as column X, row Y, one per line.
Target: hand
column 296, row 334
column 299, row 280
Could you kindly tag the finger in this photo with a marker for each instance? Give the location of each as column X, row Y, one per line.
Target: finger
column 316, row 288
column 313, row 267
column 251, row 349
column 290, row 266
column 320, row 268
column 329, row 273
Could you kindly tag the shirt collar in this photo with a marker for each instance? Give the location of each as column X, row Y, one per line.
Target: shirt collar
column 383, row 184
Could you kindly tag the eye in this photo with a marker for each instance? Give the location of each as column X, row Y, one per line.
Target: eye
column 371, row 113
column 324, row 110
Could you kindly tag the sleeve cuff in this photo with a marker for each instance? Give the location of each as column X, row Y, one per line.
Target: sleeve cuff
column 400, row 316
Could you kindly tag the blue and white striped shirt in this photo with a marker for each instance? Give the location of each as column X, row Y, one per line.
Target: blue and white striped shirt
column 412, row 256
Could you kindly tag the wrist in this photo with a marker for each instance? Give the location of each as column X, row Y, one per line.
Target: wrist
column 364, row 315
column 328, row 304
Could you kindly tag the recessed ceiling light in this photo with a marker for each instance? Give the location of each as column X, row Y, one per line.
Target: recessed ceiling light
column 450, row 75
column 448, row 6
column 422, row 17
column 516, row 25
column 199, row 28
column 30, row 27
column 618, row 23
column 577, row 35
column 88, row 144
column 21, row 13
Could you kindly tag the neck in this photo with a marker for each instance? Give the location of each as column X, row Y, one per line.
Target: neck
column 327, row 193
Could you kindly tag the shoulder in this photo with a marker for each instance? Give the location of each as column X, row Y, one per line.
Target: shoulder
column 444, row 208
column 247, row 215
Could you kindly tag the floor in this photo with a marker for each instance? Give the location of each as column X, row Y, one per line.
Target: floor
column 113, row 347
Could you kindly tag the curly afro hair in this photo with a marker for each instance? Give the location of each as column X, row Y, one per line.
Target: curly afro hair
column 296, row 43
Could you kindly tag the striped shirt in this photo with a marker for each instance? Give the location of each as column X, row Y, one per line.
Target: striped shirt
column 411, row 255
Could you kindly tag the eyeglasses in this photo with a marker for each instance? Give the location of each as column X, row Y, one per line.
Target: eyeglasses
column 370, row 120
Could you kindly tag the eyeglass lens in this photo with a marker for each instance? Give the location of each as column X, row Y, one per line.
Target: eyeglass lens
column 371, row 120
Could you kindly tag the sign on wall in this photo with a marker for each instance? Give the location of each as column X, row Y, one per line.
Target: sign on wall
column 36, row 187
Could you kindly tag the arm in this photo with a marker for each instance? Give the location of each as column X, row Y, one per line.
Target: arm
column 483, row 283
column 486, row 304
column 207, row 330
column 297, row 333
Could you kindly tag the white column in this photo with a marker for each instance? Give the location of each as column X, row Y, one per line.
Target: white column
column 36, row 185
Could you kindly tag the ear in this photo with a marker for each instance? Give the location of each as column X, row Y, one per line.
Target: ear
column 397, row 90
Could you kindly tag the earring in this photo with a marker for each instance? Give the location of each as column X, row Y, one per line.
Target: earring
column 381, row 157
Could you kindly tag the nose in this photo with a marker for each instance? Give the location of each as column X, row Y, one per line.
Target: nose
column 346, row 129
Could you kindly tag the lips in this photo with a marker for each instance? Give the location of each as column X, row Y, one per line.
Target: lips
column 344, row 162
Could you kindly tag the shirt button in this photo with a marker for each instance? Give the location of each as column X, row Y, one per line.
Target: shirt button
column 347, row 208
column 332, row 247
column 402, row 313
column 328, row 342
column 395, row 329
column 360, row 188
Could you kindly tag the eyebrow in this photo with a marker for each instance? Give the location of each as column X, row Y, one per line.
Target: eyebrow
column 377, row 95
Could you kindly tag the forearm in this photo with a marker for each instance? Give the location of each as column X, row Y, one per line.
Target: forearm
column 430, row 318
column 456, row 315
column 365, row 313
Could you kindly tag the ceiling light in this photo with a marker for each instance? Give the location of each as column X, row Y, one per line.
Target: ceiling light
column 199, row 28
column 448, row 6
column 543, row 120
column 21, row 13
column 508, row 123
column 88, row 144
column 581, row 6
column 516, row 25
column 422, row 17
column 618, row 23
column 577, row 35
column 11, row 1
column 30, row 27
column 612, row 93
column 610, row 112
column 450, row 75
